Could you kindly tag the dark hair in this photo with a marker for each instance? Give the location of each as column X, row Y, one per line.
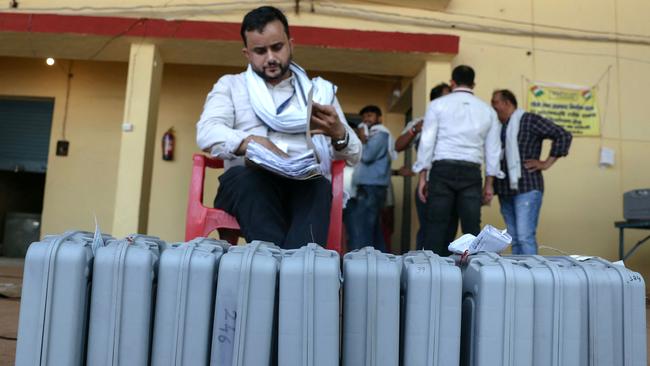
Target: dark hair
column 436, row 91
column 463, row 75
column 257, row 19
column 370, row 109
column 507, row 95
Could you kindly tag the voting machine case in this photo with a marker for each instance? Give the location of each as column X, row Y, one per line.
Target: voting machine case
column 187, row 279
column 244, row 317
column 121, row 306
column 371, row 308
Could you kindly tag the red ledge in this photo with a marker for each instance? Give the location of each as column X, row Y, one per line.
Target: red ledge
column 221, row 31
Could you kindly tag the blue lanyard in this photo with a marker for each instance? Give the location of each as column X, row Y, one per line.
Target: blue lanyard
column 285, row 104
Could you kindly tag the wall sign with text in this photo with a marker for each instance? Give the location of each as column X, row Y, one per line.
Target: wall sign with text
column 573, row 108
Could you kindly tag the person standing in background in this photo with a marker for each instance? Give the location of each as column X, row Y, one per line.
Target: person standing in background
column 460, row 132
column 411, row 136
column 371, row 178
column 520, row 191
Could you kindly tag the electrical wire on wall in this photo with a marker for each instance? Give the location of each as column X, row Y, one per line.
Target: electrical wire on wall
column 164, row 11
column 137, row 22
column 131, row 73
column 69, row 76
column 329, row 8
column 433, row 19
column 62, row 144
column 603, row 118
column 620, row 95
column 533, row 44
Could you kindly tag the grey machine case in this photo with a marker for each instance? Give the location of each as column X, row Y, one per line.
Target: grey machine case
column 244, row 315
column 55, row 296
column 309, row 307
column 613, row 319
column 431, row 287
column 560, row 320
column 371, row 308
column 498, row 318
column 122, row 300
column 187, row 277
column 586, row 312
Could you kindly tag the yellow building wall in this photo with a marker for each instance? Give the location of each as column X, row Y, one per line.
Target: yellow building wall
column 581, row 201
column 81, row 185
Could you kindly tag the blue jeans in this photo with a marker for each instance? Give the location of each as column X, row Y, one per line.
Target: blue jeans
column 361, row 218
column 521, row 214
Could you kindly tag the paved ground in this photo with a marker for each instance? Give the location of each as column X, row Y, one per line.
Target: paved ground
column 11, row 271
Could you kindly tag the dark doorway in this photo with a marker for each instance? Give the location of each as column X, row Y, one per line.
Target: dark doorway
column 25, row 127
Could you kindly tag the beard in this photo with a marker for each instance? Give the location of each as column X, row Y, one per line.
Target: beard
column 284, row 68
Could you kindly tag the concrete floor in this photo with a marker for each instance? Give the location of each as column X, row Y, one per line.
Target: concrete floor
column 11, row 271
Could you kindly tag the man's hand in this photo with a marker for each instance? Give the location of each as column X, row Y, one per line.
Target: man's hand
column 405, row 139
column 533, row 165
column 488, row 191
column 262, row 141
column 422, row 186
column 404, row 171
column 418, row 126
column 325, row 120
column 361, row 133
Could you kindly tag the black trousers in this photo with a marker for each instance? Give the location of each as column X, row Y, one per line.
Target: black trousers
column 453, row 186
column 289, row 213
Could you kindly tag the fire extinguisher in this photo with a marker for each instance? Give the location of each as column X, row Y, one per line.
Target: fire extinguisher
column 168, row 145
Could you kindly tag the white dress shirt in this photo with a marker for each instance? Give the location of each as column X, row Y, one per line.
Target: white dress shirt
column 228, row 118
column 460, row 126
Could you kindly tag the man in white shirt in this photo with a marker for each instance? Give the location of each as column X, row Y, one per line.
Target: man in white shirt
column 460, row 132
column 267, row 105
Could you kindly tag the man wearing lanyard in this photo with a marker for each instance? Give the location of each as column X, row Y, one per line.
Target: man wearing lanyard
column 267, row 105
column 460, row 132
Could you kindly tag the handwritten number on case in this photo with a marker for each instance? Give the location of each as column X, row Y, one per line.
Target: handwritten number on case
column 229, row 326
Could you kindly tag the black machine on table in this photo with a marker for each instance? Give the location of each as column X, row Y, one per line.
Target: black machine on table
column 636, row 211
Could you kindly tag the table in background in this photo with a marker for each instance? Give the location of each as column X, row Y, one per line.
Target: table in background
column 630, row 224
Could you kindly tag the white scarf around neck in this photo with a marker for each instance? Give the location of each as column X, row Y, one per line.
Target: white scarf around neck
column 513, row 160
column 293, row 118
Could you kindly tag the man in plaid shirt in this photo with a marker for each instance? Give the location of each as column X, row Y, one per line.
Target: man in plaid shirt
column 520, row 192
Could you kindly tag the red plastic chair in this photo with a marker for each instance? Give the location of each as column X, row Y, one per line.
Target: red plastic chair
column 202, row 220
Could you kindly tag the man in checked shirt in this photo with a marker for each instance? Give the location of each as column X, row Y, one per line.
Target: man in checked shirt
column 520, row 192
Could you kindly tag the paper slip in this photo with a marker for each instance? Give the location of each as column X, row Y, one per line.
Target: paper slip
column 490, row 239
column 303, row 166
column 310, row 105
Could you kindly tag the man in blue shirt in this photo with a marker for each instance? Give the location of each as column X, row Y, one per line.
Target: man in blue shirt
column 371, row 178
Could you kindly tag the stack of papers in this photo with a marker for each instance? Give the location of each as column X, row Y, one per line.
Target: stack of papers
column 303, row 166
column 490, row 239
